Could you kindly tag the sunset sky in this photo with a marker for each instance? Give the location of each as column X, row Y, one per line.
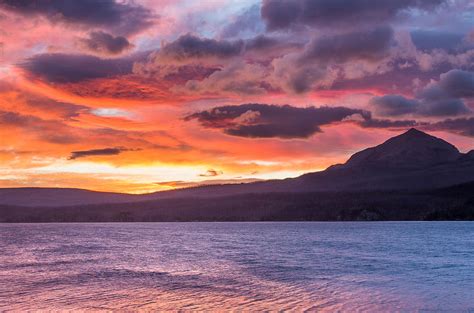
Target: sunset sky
column 141, row 96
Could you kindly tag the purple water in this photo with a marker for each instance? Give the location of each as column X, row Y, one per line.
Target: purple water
column 396, row 266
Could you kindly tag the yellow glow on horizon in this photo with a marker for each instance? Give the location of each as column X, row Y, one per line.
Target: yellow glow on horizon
column 127, row 179
column 152, row 172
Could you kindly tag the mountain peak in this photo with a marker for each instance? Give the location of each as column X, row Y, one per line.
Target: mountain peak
column 412, row 149
column 414, row 132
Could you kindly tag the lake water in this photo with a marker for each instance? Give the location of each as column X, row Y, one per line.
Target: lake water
column 399, row 266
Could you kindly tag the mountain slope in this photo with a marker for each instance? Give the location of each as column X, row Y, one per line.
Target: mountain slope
column 412, row 160
column 411, row 150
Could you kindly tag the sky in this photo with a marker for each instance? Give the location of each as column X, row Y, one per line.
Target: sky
column 149, row 95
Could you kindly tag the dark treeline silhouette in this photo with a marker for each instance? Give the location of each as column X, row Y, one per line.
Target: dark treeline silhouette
column 453, row 203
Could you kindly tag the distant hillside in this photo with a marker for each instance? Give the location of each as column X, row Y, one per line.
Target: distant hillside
column 58, row 197
column 453, row 203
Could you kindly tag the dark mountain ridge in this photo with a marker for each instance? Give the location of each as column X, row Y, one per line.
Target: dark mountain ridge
column 411, row 150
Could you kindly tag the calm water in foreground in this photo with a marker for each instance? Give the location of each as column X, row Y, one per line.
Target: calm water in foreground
column 400, row 266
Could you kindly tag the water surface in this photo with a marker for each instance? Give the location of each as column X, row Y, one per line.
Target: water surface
column 393, row 266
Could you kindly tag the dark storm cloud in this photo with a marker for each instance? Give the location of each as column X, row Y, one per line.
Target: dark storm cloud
column 458, row 83
column 430, row 40
column 394, row 105
column 123, row 17
column 364, row 45
column 461, row 126
column 104, row 43
column 284, row 14
column 68, row 68
column 443, row 107
column 441, row 98
column 270, row 45
column 267, row 121
column 192, row 47
column 261, row 42
column 97, row 152
column 444, row 98
column 281, row 14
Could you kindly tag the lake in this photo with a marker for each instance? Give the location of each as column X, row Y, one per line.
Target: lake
column 364, row 266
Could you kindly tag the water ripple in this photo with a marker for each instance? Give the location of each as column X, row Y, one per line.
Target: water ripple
column 244, row 266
